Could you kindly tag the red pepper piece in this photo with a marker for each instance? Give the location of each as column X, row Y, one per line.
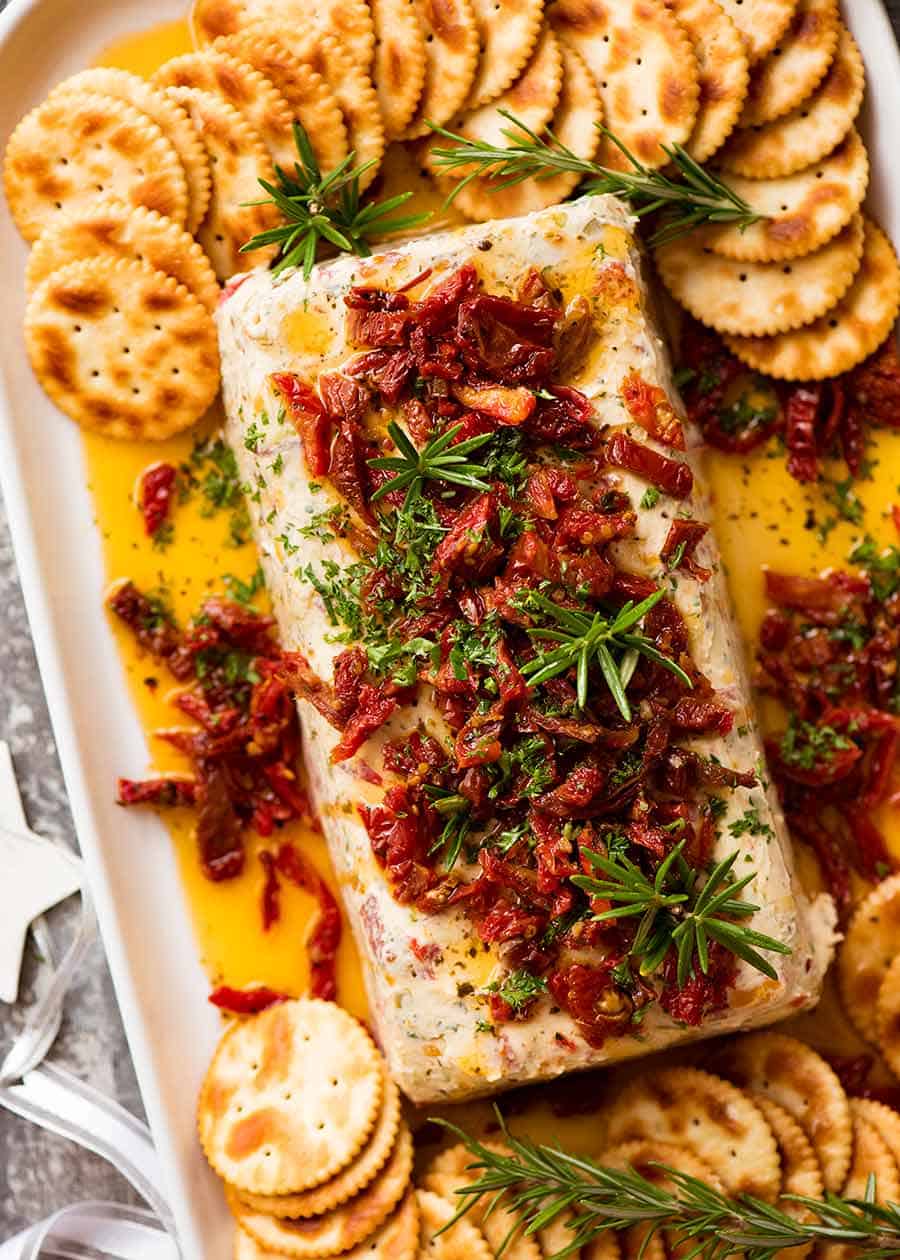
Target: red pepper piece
column 246, row 1001
column 156, row 490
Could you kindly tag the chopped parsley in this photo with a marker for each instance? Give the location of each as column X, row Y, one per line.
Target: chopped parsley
column 807, row 745
column 245, row 592
column 881, row 565
column 750, row 824
column 521, row 988
column 650, row 498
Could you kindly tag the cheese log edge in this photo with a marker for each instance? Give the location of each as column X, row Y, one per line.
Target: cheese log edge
column 426, row 974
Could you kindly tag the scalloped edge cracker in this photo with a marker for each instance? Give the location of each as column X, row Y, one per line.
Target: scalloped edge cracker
column 398, row 64
column 794, row 1075
column 349, row 21
column 642, row 1155
column 508, row 31
column 808, row 133
column 796, row 65
column 77, row 324
column 802, row 212
column 871, row 943
column 350, row 1180
column 462, row 1242
column 275, row 1115
column 888, row 1016
column 761, row 298
column 574, row 124
column 451, row 59
column 210, row 19
column 760, row 22
column 397, row 1239
column 690, row 1107
column 844, row 336
column 800, row 1170
column 723, row 73
column 78, row 145
column 645, row 71
column 113, row 229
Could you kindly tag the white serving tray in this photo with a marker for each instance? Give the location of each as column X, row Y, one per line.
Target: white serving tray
column 143, row 915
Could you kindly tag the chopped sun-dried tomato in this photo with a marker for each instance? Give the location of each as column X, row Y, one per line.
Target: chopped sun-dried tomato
column 305, row 411
column 156, row 490
column 680, row 545
column 323, row 942
column 167, row 790
column 672, row 476
column 246, row 1001
column 649, row 405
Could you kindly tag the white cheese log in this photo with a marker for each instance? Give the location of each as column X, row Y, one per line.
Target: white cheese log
column 427, row 1013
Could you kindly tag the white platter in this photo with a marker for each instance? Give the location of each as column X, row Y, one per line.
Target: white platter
column 144, row 918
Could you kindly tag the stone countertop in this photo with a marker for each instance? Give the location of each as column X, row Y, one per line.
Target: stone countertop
column 41, row 1172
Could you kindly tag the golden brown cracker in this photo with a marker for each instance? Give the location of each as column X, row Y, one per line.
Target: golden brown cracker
column 340, row 1228
column 112, row 229
column 290, row 1097
column 172, row 121
column 796, row 1077
column 760, row 22
column 807, row 133
column 692, row 1108
column 209, row 20
column 81, row 145
column 871, row 1158
column 397, row 1239
column 352, row 88
column 887, row 1016
column 645, row 70
column 123, row 349
column 723, row 72
column 398, row 64
column 238, row 160
column 605, row 1247
column 448, row 1172
column 254, row 96
column 883, row 1119
column 870, row 945
column 759, row 299
column 574, row 124
column 801, row 212
column 642, row 1156
column 462, row 1242
column 800, row 1170
column 796, row 65
column 451, row 48
column 350, row 1180
column 308, row 96
column 508, row 31
column 348, row 21
column 844, row 336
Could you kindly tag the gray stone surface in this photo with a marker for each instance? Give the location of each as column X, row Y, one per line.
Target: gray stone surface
column 39, row 1173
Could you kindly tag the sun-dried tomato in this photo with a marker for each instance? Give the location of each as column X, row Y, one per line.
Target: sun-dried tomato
column 701, row 994
column 270, row 899
column 157, row 487
column 323, row 942
column 149, row 623
column 649, row 406
column 387, row 371
column 219, row 837
column 166, row 790
column 681, row 543
column 801, row 417
column 373, row 709
column 566, row 418
column 576, row 794
column 669, row 475
column 470, row 547
column 875, row 386
column 700, row 715
column 349, row 470
column 509, row 405
column 305, row 411
column 246, row 1001
column 344, row 397
column 506, row 341
column 400, row 830
column 596, row 1004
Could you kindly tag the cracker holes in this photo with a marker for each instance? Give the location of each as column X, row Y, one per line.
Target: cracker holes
column 832, row 323
column 743, row 277
column 787, row 269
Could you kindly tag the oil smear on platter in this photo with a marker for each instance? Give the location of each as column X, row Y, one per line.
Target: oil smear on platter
column 761, row 516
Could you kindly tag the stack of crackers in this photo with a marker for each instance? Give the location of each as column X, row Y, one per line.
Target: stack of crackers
column 300, row 1118
column 868, row 969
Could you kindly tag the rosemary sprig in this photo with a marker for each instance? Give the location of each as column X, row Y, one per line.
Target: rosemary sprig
column 695, row 197
column 439, row 460
column 585, row 638
column 319, row 208
column 677, row 912
column 540, row 1183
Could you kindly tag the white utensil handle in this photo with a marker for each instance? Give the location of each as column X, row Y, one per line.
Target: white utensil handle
column 93, row 1231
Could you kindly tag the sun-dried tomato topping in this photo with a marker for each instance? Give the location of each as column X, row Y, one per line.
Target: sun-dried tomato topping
column 246, row 1001
column 680, row 545
column 150, row 623
column 505, row 404
column 373, row 709
column 597, row 1005
column 801, row 413
column 157, row 487
column 650, row 407
column 270, row 900
column 323, row 942
column 672, row 476
column 166, row 790
column 305, row 411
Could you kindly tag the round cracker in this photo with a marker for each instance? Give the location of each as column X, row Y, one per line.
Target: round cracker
column 801, row 212
column 792, row 1074
column 238, row 160
column 398, row 65
column 557, row 1236
column 887, row 1016
column 723, row 73
column 641, row 1156
column 844, row 336
column 871, row 1157
column 574, row 125
column 308, row 97
column 397, row 1239
column 800, row 1171
column 348, row 21
column 350, row 1180
column 352, row 88
column 604, row 1247
column 449, row 1171
column 882, row 1118
column 760, row 22
column 112, row 229
column 78, row 145
column 451, row 59
column 808, row 133
column 123, row 349
column 758, row 299
column 209, row 20
column 254, row 96
column 462, row 1242
column 508, row 31
column 277, row 1113
column 870, row 945
column 689, row 1107
column 172, row 121
column 343, row 1226
column 796, row 65
column 645, row 70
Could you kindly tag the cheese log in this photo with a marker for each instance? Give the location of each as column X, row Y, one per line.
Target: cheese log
column 427, row 974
